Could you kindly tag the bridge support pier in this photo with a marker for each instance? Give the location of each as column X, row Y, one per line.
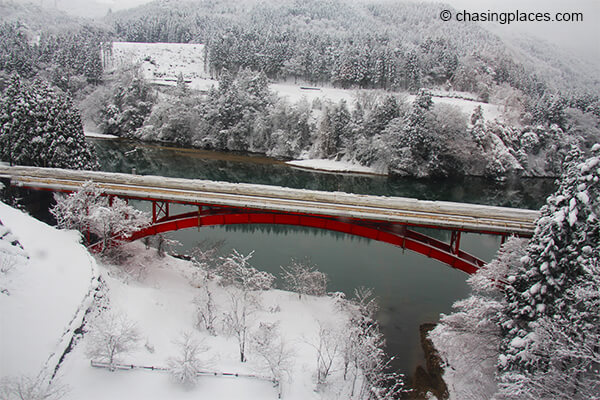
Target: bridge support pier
column 160, row 210
column 455, row 242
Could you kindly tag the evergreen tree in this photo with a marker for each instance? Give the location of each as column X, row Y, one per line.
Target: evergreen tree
column 551, row 326
column 416, row 130
column 40, row 127
column 535, row 309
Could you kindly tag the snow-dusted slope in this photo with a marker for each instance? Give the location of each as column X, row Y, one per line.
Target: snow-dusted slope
column 161, row 63
column 45, row 296
column 156, row 293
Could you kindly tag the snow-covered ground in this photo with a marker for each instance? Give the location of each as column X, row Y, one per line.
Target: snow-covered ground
column 161, row 63
column 44, row 297
column 97, row 135
column 49, row 292
column 331, row 166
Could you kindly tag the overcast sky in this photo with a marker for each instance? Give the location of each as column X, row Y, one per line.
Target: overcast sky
column 583, row 38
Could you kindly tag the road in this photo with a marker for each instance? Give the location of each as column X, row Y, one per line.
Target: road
column 407, row 211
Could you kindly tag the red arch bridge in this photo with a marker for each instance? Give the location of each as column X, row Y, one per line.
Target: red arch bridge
column 386, row 219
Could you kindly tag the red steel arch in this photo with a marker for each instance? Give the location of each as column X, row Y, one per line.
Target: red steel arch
column 449, row 254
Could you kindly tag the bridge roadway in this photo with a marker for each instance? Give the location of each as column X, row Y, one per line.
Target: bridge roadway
column 395, row 210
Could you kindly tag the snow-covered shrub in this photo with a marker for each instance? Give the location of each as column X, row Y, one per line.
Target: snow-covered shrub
column 236, row 270
column 273, row 352
column 25, row 388
column 184, row 367
column 530, row 142
column 109, row 336
column 303, row 278
column 88, row 211
column 206, row 310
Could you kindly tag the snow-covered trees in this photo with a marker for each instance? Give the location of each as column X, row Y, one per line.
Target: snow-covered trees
column 471, row 335
column 69, row 60
column 551, row 327
column 534, row 319
column 303, row 278
column 109, row 336
column 273, row 351
column 128, row 106
column 40, row 127
column 185, row 366
column 88, row 211
column 25, row 388
column 243, row 281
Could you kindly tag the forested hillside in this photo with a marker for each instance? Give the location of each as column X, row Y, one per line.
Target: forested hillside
column 396, row 52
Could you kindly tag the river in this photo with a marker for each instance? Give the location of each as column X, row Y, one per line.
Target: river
column 411, row 289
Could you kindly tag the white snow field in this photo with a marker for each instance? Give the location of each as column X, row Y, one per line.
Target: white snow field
column 45, row 296
column 332, row 166
column 161, row 63
column 49, row 293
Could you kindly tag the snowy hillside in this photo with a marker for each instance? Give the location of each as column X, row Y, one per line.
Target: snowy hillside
column 157, row 294
column 162, row 64
column 52, row 283
column 46, row 288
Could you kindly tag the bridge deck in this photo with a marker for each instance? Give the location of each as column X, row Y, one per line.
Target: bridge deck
column 440, row 214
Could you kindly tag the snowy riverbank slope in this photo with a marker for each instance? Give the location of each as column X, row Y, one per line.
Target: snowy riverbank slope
column 45, row 296
column 46, row 287
column 158, row 295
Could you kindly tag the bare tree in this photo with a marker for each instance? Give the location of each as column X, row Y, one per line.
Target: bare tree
column 185, row 367
column 236, row 270
column 327, row 349
column 204, row 258
column 164, row 245
column 365, row 302
column 206, row 310
column 25, row 388
column 242, row 305
column 111, row 335
column 268, row 344
column 303, row 278
column 365, row 363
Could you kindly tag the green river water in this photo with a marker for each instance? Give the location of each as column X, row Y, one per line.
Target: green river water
column 411, row 288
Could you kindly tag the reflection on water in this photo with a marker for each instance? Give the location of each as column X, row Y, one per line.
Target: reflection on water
column 124, row 155
column 412, row 289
